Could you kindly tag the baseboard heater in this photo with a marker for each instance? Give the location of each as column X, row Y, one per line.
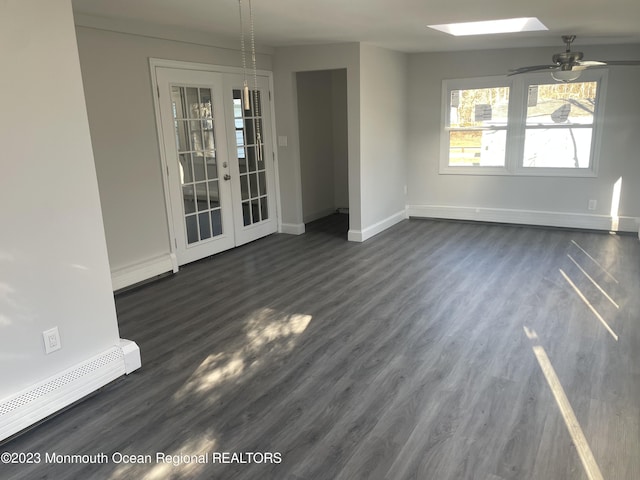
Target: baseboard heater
column 45, row 398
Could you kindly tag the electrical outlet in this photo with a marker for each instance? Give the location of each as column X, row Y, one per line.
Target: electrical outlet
column 51, row 339
column 592, row 204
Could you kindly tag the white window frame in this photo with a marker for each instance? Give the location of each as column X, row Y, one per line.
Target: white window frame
column 516, row 125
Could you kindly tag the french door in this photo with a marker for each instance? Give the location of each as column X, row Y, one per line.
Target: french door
column 219, row 160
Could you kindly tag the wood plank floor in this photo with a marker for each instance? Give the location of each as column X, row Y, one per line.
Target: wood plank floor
column 435, row 350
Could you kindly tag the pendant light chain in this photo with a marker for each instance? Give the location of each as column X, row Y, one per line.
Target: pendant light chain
column 256, row 103
column 245, row 89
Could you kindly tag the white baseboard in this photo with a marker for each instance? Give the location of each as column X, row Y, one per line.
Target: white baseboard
column 525, row 217
column 45, row 398
column 292, row 228
column 376, row 228
column 132, row 274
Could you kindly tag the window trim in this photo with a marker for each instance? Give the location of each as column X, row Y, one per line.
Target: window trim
column 516, row 125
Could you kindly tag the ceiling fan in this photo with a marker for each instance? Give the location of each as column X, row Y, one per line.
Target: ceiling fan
column 568, row 65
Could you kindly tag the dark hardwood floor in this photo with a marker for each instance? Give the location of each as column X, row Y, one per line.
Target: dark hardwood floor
column 435, row 350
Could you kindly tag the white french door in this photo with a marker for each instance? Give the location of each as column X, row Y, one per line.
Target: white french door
column 219, row 160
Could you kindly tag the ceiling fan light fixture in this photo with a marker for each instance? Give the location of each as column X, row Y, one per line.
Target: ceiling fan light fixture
column 505, row 25
column 566, row 75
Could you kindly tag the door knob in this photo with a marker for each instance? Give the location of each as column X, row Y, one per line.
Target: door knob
column 227, row 176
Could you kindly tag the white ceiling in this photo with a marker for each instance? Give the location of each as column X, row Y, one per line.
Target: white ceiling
column 394, row 24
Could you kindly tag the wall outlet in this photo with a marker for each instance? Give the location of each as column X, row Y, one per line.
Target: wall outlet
column 593, row 204
column 51, row 339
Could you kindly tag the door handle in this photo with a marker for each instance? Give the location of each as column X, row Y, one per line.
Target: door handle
column 227, row 176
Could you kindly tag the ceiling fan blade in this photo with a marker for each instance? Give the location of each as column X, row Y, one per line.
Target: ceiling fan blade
column 622, row 62
column 591, row 63
column 534, row 68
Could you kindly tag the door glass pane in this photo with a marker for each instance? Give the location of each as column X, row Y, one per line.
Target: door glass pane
column 186, row 171
column 253, row 185
column 244, row 186
column 189, row 199
column 255, row 210
column 264, row 208
column 193, row 113
column 201, row 197
column 246, row 213
column 193, row 102
column 216, row 222
column 198, row 167
column 212, row 168
column 182, row 136
column 214, row 195
column 251, row 159
column 205, row 228
column 192, row 229
column 249, row 135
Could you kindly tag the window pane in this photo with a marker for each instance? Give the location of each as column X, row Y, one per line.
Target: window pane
column 557, row 147
column 561, row 104
column 477, row 148
column 479, row 107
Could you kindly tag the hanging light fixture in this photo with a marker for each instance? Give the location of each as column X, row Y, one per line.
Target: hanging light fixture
column 256, row 101
column 245, row 87
column 245, row 90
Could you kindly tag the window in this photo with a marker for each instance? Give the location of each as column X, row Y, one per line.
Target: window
column 525, row 125
column 477, row 126
column 559, row 126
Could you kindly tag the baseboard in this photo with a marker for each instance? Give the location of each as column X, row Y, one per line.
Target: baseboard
column 292, row 228
column 45, row 398
column 139, row 272
column 525, row 217
column 367, row 233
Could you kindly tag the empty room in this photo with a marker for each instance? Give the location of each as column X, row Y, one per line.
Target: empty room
column 245, row 239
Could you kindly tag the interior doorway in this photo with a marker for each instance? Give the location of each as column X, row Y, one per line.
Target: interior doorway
column 324, row 156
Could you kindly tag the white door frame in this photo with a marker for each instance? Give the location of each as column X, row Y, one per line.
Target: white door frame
column 159, row 62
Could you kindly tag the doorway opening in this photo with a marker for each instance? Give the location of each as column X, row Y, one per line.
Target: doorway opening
column 324, row 154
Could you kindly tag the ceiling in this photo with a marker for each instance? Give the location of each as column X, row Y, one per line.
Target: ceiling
column 394, row 24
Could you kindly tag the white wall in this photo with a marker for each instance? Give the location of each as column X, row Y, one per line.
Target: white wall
column 286, row 62
column 383, row 139
column 117, row 83
column 54, row 269
column 563, row 200
column 339, row 121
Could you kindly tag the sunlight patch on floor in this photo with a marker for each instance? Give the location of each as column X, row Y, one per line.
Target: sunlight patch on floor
column 573, row 426
column 268, row 333
column 589, row 305
column 594, row 282
column 185, row 461
column 594, row 261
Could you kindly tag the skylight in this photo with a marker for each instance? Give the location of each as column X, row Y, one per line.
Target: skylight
column 506, row 25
